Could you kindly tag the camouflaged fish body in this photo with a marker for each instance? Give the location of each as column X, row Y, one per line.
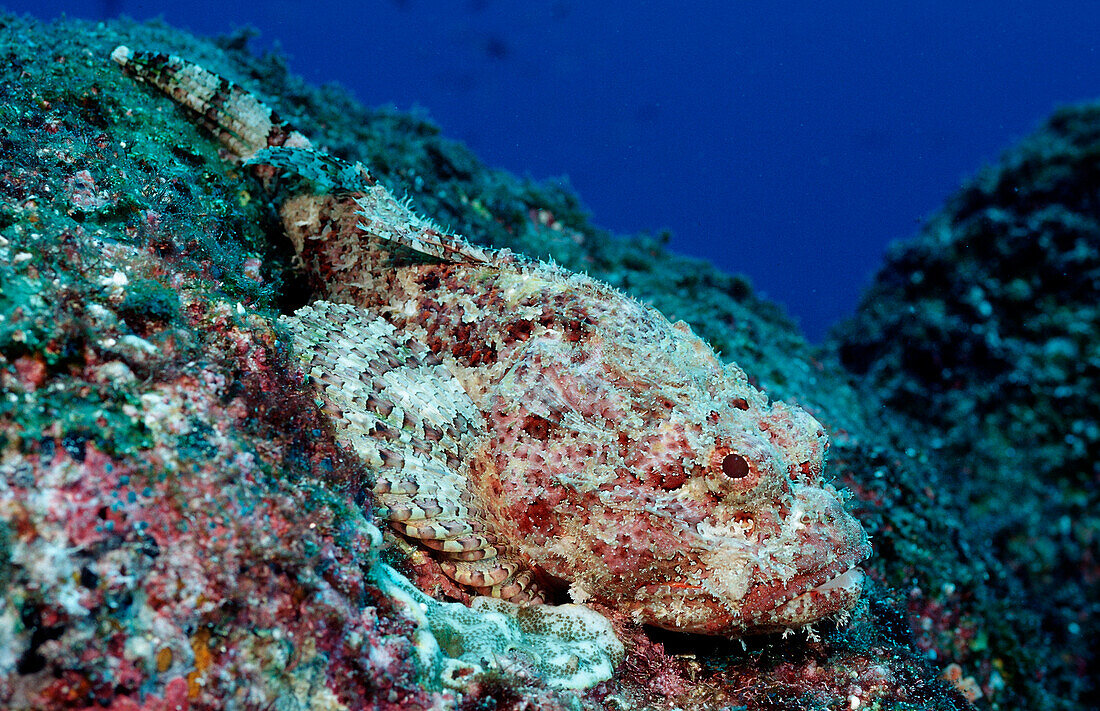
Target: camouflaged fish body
column 535, row 430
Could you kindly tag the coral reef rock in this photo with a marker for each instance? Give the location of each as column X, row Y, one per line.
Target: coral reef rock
column 181, row 529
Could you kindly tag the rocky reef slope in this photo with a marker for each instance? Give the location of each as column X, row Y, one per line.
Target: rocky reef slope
column 982, row 335
column 179, row 530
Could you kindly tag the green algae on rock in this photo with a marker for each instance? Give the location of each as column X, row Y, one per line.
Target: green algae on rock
column 983, row 333
column 234, row 576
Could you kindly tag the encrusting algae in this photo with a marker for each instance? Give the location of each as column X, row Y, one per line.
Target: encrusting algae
column 181, row 528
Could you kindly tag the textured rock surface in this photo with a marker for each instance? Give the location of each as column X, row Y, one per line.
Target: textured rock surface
column 178, row 529
column 984, row 334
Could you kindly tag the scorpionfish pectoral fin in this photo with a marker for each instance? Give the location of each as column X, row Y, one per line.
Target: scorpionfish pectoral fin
column 406, row 416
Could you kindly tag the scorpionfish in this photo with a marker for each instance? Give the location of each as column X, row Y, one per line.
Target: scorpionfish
column 534, row 433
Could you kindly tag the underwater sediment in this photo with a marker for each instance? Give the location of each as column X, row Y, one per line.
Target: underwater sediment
column 178, row 528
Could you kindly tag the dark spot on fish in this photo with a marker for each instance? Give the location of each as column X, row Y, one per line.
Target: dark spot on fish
column 537, row 427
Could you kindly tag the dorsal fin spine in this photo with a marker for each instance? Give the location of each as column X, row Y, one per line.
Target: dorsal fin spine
column 240, row 121
column 255, row 135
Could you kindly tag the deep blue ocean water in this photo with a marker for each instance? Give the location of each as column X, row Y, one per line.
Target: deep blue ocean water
column 790, row 141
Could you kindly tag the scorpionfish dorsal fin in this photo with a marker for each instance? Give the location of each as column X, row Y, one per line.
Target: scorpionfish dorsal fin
column 254, row 134
column 239, row 120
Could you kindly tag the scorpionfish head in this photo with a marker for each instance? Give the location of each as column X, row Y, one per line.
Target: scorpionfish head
column 685, row 499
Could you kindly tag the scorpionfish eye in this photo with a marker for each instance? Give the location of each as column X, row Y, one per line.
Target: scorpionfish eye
column 731, row 470
column 735, row 466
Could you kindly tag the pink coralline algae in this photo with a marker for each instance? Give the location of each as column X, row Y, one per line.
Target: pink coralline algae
column 533, row 429
column 167, row 582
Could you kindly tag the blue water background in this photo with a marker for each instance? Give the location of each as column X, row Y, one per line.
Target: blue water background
column 790, row 141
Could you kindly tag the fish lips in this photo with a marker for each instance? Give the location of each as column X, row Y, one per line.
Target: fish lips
column 807, row 597
column 766, row 607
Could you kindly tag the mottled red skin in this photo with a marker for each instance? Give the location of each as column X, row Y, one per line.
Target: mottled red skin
column 532, row 345
column 621, row 455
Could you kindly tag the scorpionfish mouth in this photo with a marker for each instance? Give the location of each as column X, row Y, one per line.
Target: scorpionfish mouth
column 793, row 576
column 807, row 597
column 766, row 607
